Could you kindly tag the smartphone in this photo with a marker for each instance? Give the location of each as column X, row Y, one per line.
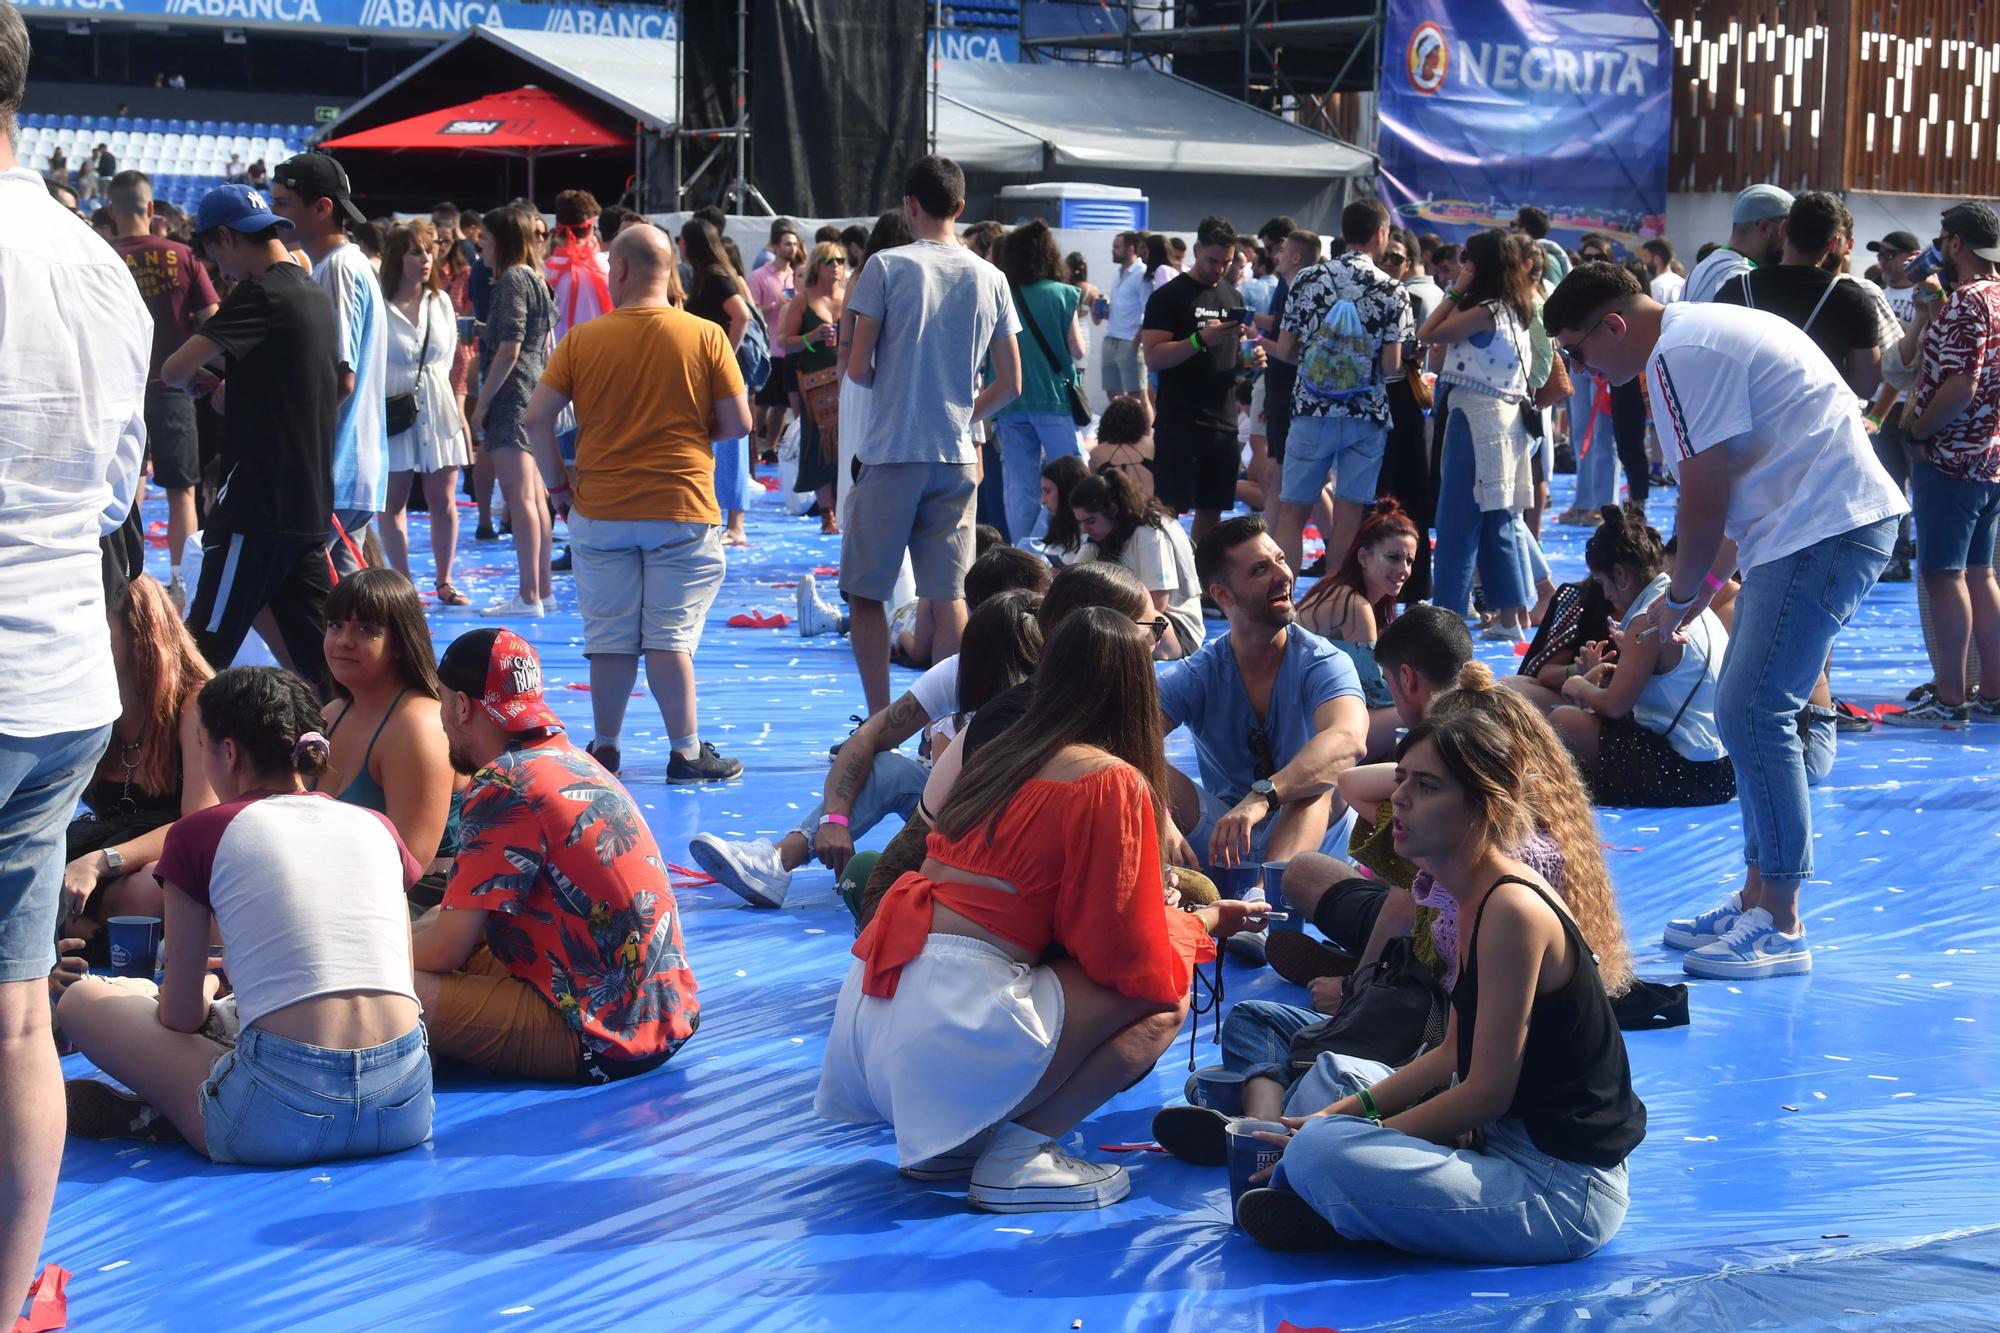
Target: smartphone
column 1240, row 315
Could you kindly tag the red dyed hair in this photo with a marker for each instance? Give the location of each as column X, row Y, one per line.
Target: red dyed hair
column 1385, row 520
column 168, row 671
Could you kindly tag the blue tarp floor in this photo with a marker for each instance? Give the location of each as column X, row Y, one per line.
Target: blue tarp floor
column 1821, row 1150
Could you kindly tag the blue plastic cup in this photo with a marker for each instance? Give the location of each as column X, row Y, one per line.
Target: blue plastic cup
column 1237, row 882
column 135, row 945
column 1249, row 1154
column 1219, row 1090
column 1274, row 894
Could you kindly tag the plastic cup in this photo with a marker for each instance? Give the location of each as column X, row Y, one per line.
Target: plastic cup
column 135, row 945
column 1248, row 1154
column 1274, row 894
column 465, row 328
column 1237, row 881
column 1219, row 1090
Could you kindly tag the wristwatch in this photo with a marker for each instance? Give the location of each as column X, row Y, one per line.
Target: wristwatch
column 113, row 861
column 1262, row 787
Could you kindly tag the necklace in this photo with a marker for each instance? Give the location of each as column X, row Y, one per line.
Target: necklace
column 128, row 758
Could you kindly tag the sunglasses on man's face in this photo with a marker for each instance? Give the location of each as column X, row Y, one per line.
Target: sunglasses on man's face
column 1596, row 257
column 1393, row 260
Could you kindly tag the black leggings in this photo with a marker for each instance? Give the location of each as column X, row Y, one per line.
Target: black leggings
column 1628, row 429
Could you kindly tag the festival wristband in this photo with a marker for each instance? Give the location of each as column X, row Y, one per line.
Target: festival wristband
column 834, row 819
column 1194, row 340
column 1368, row 1106
column 1714, row 584
column 1453, row 295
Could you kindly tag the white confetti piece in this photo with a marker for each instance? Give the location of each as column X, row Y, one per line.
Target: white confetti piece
column 1885, row 1078
column 1015, row 1231
column 1734, row 990
column 1965, row 1020
column 1844, row 1059
column 741, row 973
column 518, row 1309
column 1703, row 1138
column 1582, row 1313
column 815, row 930
column 143, row 1161
column 321, row 1180
column 1897, row 1096
column 1819, row 1096
column 798, row 1041
column 1939, row 985
column 1491, row 1295
column 114, row 1264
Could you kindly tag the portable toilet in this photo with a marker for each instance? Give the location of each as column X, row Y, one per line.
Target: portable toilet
column 1076, row 205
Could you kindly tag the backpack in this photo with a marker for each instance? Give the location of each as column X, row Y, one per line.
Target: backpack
column 1339, row 362
column 753, row 354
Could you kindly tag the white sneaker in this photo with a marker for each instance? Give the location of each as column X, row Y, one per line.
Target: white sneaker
column 177, row 593
column 954, row 1165
column 816, row 616
column 1023, row 1172
column 752, row 871
column 514, row 608
column 1754, row 948
column 1691, row 932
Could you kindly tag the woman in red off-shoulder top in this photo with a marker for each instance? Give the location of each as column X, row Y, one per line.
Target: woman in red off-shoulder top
column 1031, row 969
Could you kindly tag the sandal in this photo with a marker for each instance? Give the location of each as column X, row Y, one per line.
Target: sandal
column 450, row 596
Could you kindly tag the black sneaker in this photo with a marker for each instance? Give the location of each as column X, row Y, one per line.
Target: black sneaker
column 560, row 565
column 1281, row 1220
column 607, row 756
column 1848, row 719
column 99, row 1111
column 485, row 533
column 1194, row 1134
column 707, row 767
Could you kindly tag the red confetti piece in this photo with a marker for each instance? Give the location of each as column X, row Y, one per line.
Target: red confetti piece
column 48, row 1306
column 758, row 620
column 820, row 570
column 1521, row 648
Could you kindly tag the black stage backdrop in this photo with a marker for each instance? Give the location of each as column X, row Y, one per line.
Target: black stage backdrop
column 837, row 102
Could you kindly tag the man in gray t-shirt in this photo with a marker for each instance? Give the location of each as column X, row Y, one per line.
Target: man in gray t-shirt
column 926, row 315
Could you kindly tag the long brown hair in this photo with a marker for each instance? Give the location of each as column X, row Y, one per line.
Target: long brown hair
column 1112, row 494
column 1498, row 274
column 513, row 241
column 384, row 597
column 415, row 235
column 1384, row 521
column 167, row 670
column 1095, row 687
column 1520, row 776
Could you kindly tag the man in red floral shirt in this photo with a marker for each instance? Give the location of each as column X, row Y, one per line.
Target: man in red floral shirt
column 557, row 952
column 1954, row 428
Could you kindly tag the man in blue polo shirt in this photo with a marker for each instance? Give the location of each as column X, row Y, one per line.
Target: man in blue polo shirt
column 1276, row 713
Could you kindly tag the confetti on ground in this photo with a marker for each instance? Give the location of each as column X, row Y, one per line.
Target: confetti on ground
column 115, row 1263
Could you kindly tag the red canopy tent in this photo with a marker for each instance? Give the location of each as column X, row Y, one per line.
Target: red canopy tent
column 528, row 122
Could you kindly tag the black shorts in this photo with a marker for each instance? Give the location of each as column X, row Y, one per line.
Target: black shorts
column 1195, row 468
column 172, row 438
column 783, row 383
column 1346, row 912
column 241, row 574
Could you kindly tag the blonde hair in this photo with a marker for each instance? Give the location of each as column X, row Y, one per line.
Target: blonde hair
column 1524, row 780
column 826, row 252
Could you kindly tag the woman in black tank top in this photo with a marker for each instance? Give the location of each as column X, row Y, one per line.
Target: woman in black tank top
column 1507, row 1142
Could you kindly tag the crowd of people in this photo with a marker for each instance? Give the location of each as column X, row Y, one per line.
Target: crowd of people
column 375, row 854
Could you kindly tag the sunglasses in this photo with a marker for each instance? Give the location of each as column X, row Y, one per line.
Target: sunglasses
column 1264, row 765
column 1159, row 625
column 1575, row 349
column 1393, row 260
column 1596, row 257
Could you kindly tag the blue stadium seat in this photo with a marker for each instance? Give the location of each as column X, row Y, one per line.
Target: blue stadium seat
column 156, row 126
column 205, row 127
column 70, row 123
column 261, row 130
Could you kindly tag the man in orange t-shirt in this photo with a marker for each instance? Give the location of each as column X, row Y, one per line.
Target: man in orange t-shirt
column 654, row 388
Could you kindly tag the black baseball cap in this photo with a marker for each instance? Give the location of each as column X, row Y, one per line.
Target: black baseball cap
column 1897, row 243
column 316, row 176
column 1978, row 226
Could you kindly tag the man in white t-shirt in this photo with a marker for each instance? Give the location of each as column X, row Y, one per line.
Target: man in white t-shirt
column 1778, row 480
column 926, row 315
column 1658, row 255
column 1123, row 375
column 1756, row 236
column 75, row 349
column 311, row 191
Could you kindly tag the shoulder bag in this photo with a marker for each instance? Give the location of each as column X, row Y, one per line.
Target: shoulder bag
column 402, row 408
column 1079, row 406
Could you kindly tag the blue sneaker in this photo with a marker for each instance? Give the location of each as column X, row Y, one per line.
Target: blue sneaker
column 1752, row 949
column 1694, row 931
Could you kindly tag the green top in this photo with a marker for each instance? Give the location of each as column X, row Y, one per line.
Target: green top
column 1045, row 384
column 818, row 356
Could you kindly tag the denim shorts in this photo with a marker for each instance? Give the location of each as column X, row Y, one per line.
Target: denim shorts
column 1348, row 448
column 1956, row 520
column 277, row 1102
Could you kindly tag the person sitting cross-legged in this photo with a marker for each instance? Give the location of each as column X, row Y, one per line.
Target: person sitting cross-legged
column 557, row 953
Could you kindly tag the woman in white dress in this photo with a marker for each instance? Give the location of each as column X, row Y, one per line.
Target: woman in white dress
column 423, row 335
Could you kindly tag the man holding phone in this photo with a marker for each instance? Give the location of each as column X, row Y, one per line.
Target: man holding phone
column 1190, row 335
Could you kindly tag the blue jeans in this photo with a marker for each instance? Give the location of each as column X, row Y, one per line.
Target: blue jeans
column 1257, row 1038
column 273, row 1101
column 41, row 778
column 1347, row 448
column 1504, row 1203
column 894, row 786
column 732, row 474
column 1596, row 469
column 1214, row 807
column 1787, row 615
column 1464, row 534
column 1028, row 440
column 1821, row 736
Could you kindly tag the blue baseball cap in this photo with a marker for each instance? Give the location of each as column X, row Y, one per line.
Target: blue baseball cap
column 238, row 207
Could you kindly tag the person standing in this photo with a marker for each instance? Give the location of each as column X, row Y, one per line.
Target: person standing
column 264, row 544
column 1756, row 236
column 312, row 193
column 1345, row 323
column 579, row 270
column 74, row 357
column 1954, row 430
column 1666, row 285
column 427, row 441
column 512, row 352
column 925, row 316
column 1776, row 479
column 1123, row 375
column 1037, row 427
column 1837, row 315
column 1889, row 416
column 179, row 294
column 653, row 388
column 1193, row 325
column 774, row 282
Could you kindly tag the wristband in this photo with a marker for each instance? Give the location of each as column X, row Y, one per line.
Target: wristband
column 1368, row 1106
column 559, row 490
column 1714, row 584
column 834, row 819
column 1194, row 340
column 1453, row 294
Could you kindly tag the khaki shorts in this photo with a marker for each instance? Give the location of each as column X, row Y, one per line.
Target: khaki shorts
column 925, row 507
column 644, row 583
column 487, row 1016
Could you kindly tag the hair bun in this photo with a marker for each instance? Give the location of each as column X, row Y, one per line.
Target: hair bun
column 1614, row 516
column 1476, row 677
column 310, row 753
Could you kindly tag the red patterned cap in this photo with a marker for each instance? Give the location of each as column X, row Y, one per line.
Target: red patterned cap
column 510, row 684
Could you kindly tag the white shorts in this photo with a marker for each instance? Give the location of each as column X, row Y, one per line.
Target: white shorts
column 964, row 1040
column 644, row 583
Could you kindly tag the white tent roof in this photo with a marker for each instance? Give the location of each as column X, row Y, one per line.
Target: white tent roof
column 1131, row 119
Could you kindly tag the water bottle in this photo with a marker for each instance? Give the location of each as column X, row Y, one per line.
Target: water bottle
column 1925, row 264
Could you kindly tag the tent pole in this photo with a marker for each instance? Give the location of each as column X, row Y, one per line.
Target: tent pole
column 531, row 183
column 742, row 99
column 680, row 110
column 936, row 55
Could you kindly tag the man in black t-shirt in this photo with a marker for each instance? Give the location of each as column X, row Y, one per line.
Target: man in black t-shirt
column 265, row 540
column 1837, row 315
column 1190, row 337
